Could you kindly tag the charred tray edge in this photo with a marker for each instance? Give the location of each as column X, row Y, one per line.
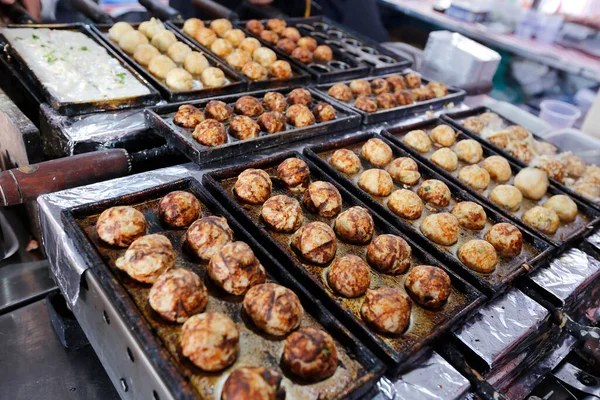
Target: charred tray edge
column 453, row 117
column 140, row 328
column 203, row 154
column 83, row 107
column 585, row 230
column 546, row 249
column 302, row 76
column 455, row 95
column 393, row 359
column 238, row 82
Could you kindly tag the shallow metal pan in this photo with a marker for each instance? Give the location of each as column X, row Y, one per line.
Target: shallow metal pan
column 587, row 219
column 161, row 119
column 426, row 325
column 358, row 369
column 535, row 250
column 77, row 108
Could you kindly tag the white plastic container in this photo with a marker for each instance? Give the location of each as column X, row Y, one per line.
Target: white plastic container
column 558, row 113
column 577, row 142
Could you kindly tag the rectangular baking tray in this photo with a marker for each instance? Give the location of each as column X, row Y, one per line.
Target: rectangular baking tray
column 455, row 119
column 78, row 108
column 236, row 82
column 566, row 235
column 426, row 326
column 299, row 76
column 535, row 250
column 161, row 119
column 358, row 370
column 455, row 96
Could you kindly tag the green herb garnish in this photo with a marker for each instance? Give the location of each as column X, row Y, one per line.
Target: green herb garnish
column 427, row 188
column 18, row 38
column 326, row 351
column 35, row 36
column 84, row 48
column 50, row 57
column 121, row 78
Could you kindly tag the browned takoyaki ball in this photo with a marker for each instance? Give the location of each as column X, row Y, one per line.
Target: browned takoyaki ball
column 322, row 198
column 207, row 235
column 478, row 255
column 413, row 81
column 379, row 86
column 253, row 186
column 299, row 115
column 255, row 71
column 307, row 42
column 269, row 36
column 249, row 106
column 435, row 192
column 365, row 103
column 299, row 96
column 249, row 45
column 396, row 82
column 315, row 242
column 349, row 276
column 274, row 309
column 303, row 55
column 404, row 170
column 441, row 228
column 428, row 285
column 376, row 182
column 188, row 116
column 404, row 97
column 345, row 161
column 286, row 45
column 238, row 59
column 422, row 94
column 179, row 208
column 323, row 112
column 281, row 69
column 282, row 213
column 177, row 295
column 291, row 33
column 218, row 110
column 443, row 135
column 470, row 215
column 506, row 238
column 340, row 91
column 272, row 122
column 147, row 258
column 377, row 152
column 360, row 87
column 438, row 89
column 355, row 225
column 235, row 269
column 221, row 47
column 276, row 25
column 255, row 27
column 543, row 219
column 311, row 354
column 417, row 140
column 220, row 26
column 274, row 101
column 474, row 124
column 234, row 36
column 253, row 383
column 293, row 172
column 386, row 100
column 210, row 133
column 445, row 158
column 389, row 254
column 205, row 36
column 387, row 310
column 474, row 176
column 323, row 53
column 243, row 127
column 406, row 204
column 120, row 225
column 264, row 56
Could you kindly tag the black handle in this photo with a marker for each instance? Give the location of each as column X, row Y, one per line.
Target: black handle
column 162, row 11
column 93, row 11
column 213, row 9
column 17, row 14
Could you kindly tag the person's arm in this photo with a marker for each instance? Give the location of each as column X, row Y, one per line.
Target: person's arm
column 33, row 7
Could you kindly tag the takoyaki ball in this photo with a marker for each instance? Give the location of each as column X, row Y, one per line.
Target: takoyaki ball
column 286, row 45
column 303, row 55
column 191, row 26
column 443, row 135
column 220, row 26
column 469, row 151
column 299, row 115
column 506, row 196
column 441, row 228
column 478, row 255
column 255, row 27
column 282, row 213
column 498, row 168
column 235, row 269
column 405, row 204
column 212, row 77
column 387, row 310
column 386, row 100
column 377, row 152
column 291, row 33
column 253, row 186
column 179, row 208
column 428, row 285
column 243, row 127
column 177, row 295
column 131, row 40
column 307, row 42
column 574, row 165
column 210, row 340
column 160, row 66
column 376, row 182
column 188, row 116
column 255, row 71
column 554, row 167
column 366, row 103
column 474, row 176
column 238, row 58
column 349, row 276
column 445, row 158
column 532, row 182
column 178, row 79
column 234, row 36
column 264, row 56
column 206, row 37
column 218, row 110
column 543, row 219
column 281, row 69
column 403, row 97
column 310, row 354
column 413, row 81
column 489, row 118
column 389, row 254
column 422, row 94
column 195, row 63
column 210, row 133
column 438, row 89
column 120, row 225
column 435, row 192
column 253, row 383
column 404, row 170
column 272, row 122
column 345, row 161
column 178, row 51
column 323, row 112
column 293, row 172
column 118, row 30
column 355, row 225
column 276, row 25
column 379, row 86
column 417, row 140
column 299, row 96
column 205, row 237
column 506, row 238
column 221, row 48
column 323, row 53
column 269, row 37
column 360, row 87
column 144, row 53
column 340, row 91
column 315, row 242
column 322, row 198
column 587, row 190
column 563, row 206
column 274, row 309
column 147, row 258
column 517, row 132
column 470, row 215
column 162, row 40
column 249, row 106
column 249, row 45
column 274, row 101
column 520, row 151
column 396, row 82
column 473, row 124
column 499, row 139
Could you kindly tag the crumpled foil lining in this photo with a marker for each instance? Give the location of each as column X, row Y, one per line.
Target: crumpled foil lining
column 595, row 239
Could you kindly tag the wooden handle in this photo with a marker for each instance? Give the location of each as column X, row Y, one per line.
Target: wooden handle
column 213, row 9
column 161, row 11
column 93, row 11
column 27, row 183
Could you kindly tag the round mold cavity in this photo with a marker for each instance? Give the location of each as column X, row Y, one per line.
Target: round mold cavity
column 319, row 68
column 335, row 43
column 305, row 26
column 321, row 26
column 319, row 35
column 351, row 42
column 336, row 34
column 368, row 50
column 338, row 64
column 386, row 59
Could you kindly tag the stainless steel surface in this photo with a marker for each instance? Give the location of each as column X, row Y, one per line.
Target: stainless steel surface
column 578, row 379
column 23, row 283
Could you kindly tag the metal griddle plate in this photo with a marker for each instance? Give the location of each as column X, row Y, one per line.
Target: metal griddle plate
column 535, row 250
column 77, row 108
column 456, row 119
column 357, row 371
column 426, row 324
column 586, row 220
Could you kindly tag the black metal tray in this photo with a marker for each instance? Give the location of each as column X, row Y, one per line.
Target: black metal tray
column 454, row 96
column 358, row 370
column 426, row 325
column 161, row 119
column 566, row 235
column 236, row 82
column 77, row 108
column 535, row 250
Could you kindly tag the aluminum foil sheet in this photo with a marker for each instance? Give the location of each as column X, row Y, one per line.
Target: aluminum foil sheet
column 595, row 239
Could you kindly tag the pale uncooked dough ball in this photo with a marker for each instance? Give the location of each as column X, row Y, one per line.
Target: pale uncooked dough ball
column 249, row 45
column 162, row 40
column 220, row 26
column 195, row 63
column 118, row 30
column 264, row 56
column 469, row 151
column 205, row 36
column 532, row 182
column 151, row 28
column 234, row 36
column 144, row 53
column 160, row 66
column 178, row 51
column 131, row 40
column 563, row 206
column 498, row 168
column 213, row 77
column 418, row 140
column 179, row 79
column 506, row 196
